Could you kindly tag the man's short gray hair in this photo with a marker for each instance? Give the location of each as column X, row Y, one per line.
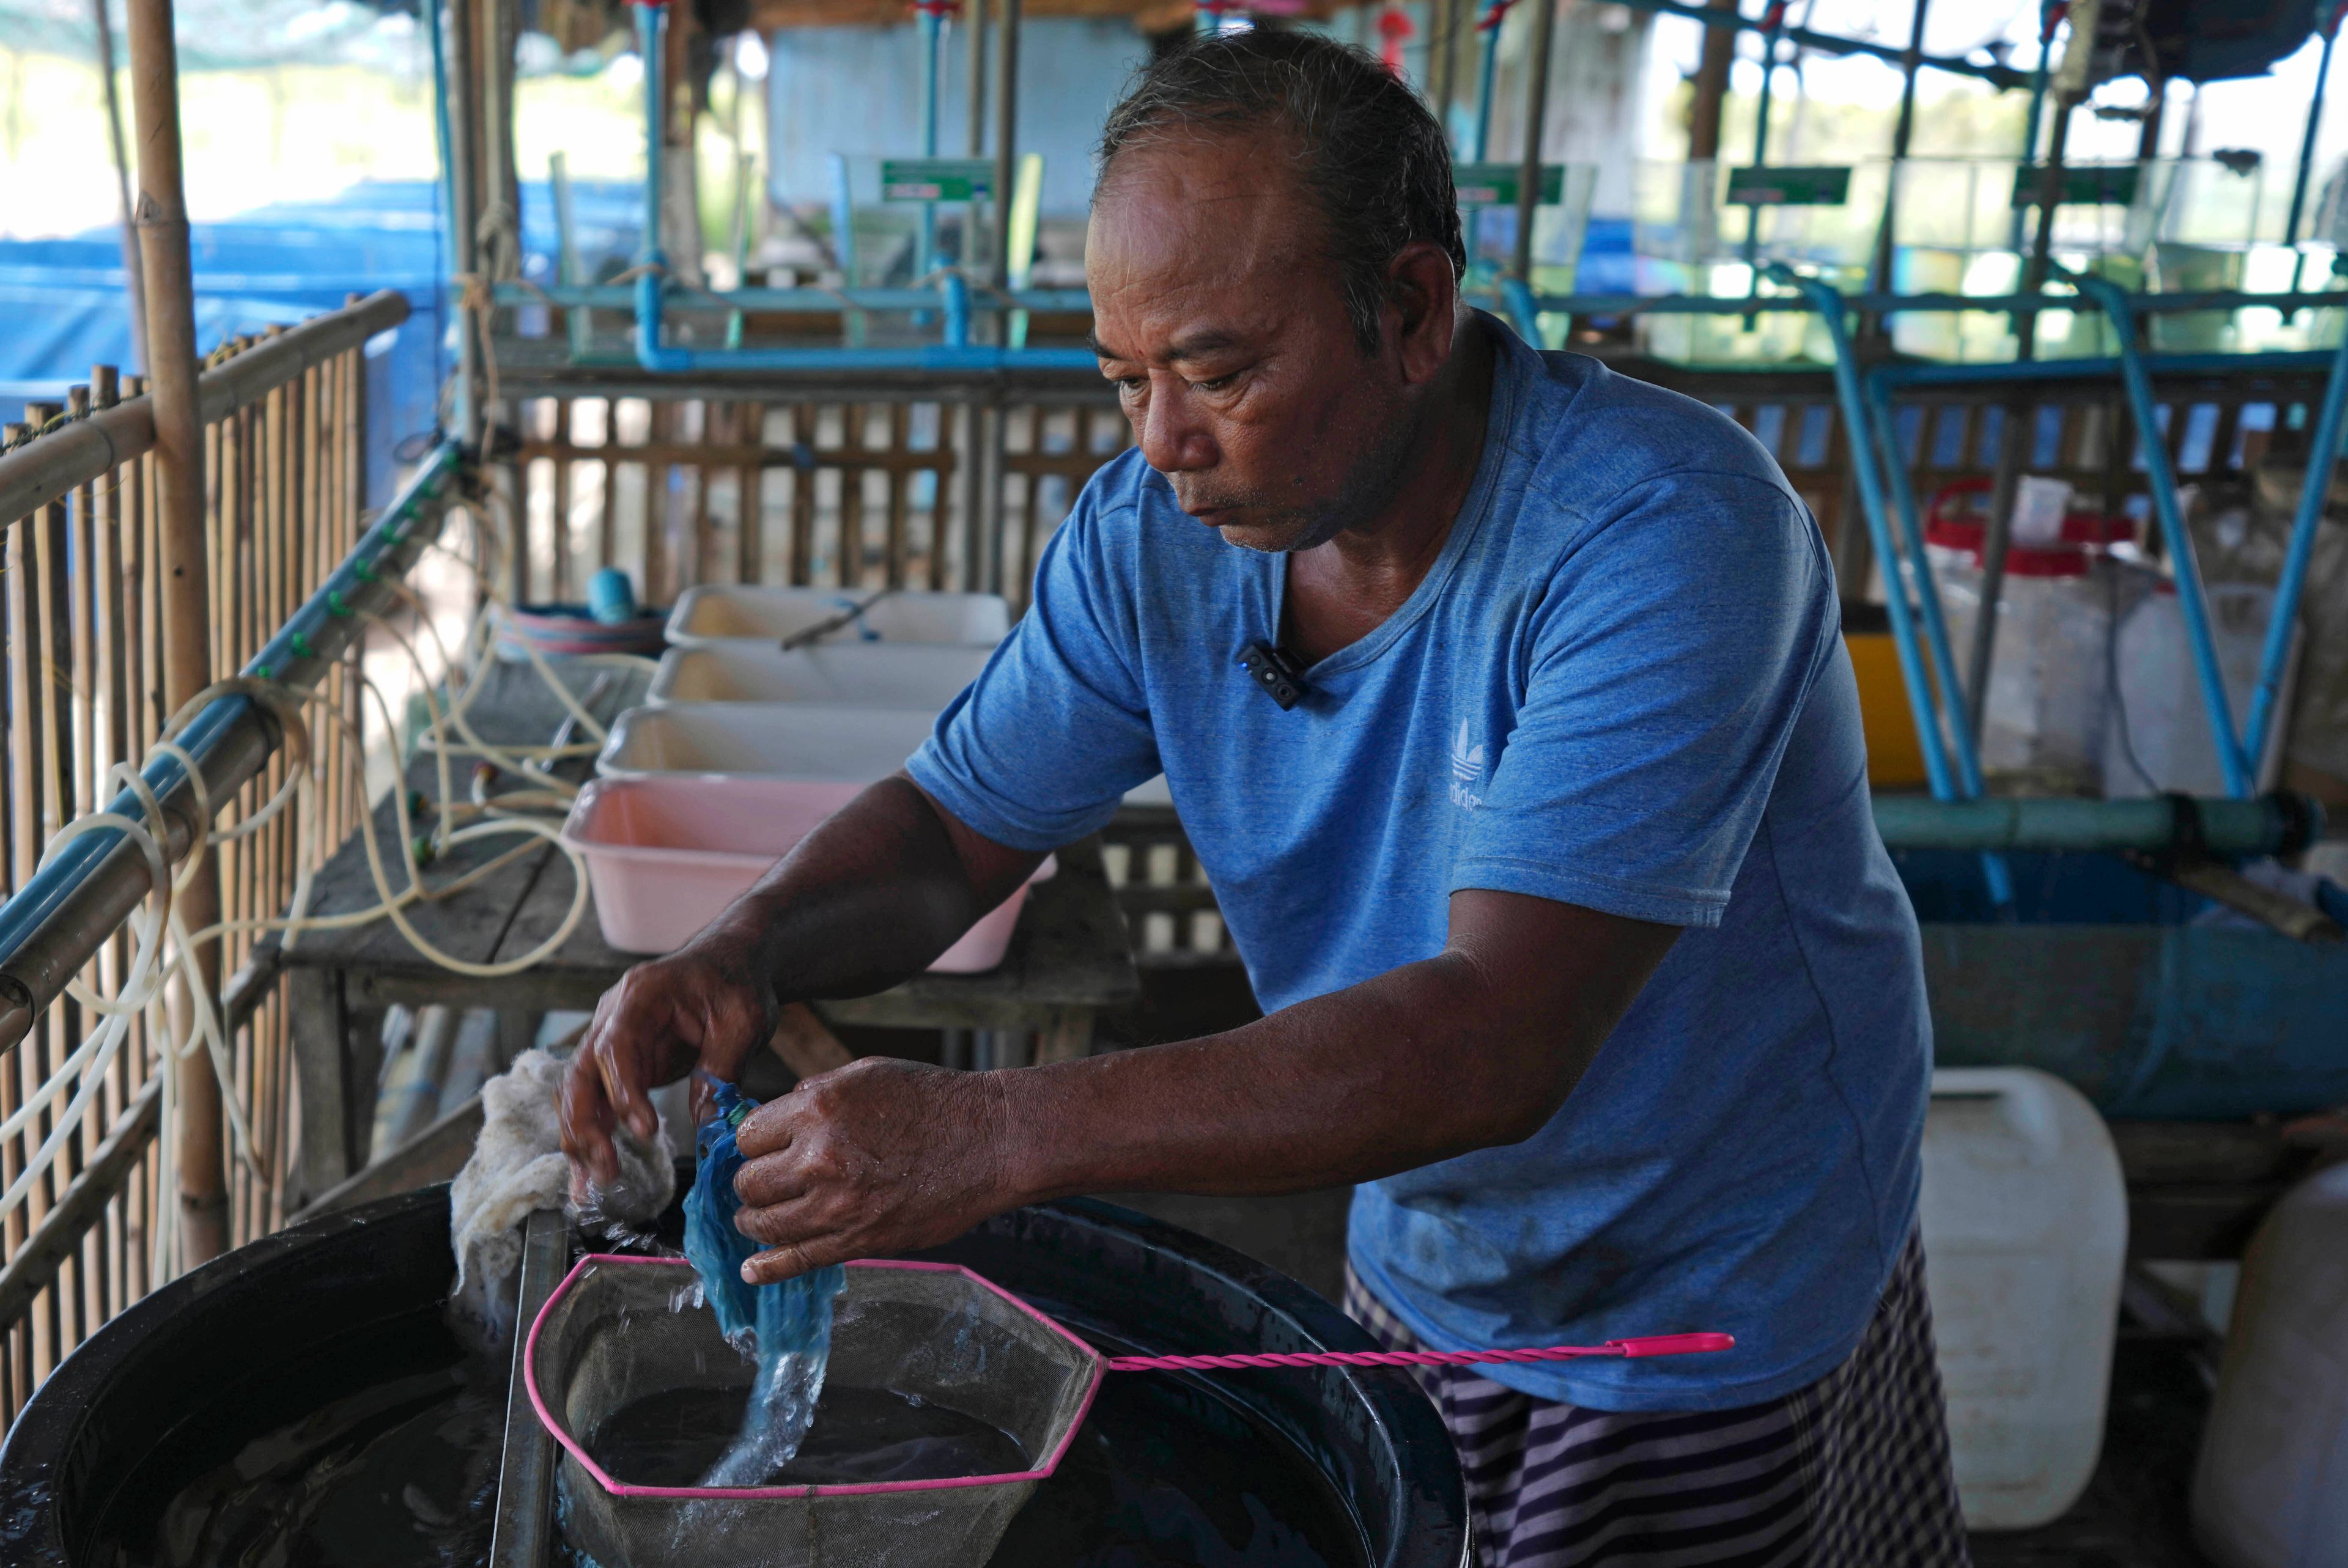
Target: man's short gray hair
column 1367, row 149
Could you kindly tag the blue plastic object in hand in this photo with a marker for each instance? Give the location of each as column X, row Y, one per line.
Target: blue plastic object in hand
column 794, row 1316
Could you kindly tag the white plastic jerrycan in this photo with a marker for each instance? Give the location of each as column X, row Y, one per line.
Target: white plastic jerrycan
column 2025, row 1235
column 2273, row 1487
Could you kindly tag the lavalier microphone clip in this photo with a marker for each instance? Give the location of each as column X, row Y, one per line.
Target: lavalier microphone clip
column 1282, row 678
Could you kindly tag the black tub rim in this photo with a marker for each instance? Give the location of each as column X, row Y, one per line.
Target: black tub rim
column 1433, row 1534
column 49, row 1430
column 1427, row 1525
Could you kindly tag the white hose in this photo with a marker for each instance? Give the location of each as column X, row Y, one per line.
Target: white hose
column 157, row 930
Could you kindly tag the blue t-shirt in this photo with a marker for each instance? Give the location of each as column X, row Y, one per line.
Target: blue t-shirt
column 1621, row 685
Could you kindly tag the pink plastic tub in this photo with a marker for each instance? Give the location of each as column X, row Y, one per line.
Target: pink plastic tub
column 667, row 852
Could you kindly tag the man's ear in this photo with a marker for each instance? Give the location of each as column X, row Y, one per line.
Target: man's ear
column 1423, row 309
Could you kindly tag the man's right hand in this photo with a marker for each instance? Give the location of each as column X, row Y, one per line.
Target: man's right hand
column 657, row 1024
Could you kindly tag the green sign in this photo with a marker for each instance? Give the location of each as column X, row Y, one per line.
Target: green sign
column 936, row 179
column 2095, row 185
column 1762, row 185
column 1495, row 184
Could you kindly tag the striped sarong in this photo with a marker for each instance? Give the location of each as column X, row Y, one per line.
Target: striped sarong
column 1851, row 1471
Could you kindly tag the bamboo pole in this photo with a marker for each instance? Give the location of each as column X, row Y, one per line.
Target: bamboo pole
column 1442, row 52
column 1529, row 172
column 1711, row 88
column 133, row 274
column 1006, row 135
column 171, row 362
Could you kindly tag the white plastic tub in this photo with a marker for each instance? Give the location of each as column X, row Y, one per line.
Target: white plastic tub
column 666, row 855
column 715, row 611
column 854, row 674
column 2166, row 744
column 781, row 740
column 2025, row 1217
column 765, row 740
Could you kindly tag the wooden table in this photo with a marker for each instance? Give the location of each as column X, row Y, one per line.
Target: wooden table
column 1068, row 959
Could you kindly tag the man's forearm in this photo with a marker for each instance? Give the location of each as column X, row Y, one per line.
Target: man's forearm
column 867, row 900
column 1418, row 1065
column 1476, row 1047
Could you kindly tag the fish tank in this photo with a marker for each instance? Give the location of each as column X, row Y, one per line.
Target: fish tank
column 1711, row 227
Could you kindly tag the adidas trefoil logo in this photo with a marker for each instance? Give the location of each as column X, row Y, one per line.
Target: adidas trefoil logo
column 1467, row 770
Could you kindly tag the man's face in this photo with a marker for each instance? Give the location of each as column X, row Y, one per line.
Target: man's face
column 1216, row 311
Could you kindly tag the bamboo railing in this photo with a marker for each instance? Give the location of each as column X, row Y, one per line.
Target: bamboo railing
column 284, row 426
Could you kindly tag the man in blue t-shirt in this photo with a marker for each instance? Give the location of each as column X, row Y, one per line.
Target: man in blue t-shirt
column 1518, row 739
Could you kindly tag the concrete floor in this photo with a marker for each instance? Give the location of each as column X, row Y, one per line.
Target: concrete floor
column 2134, row 1514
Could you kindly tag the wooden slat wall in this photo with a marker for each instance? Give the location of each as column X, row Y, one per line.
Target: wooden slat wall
column 83, row 690
column 812, row 494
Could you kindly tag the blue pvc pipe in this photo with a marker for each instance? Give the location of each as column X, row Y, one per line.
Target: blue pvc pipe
column 2098, row 369
column 1524, row 313
column 446, row 137
column 1921, row 706
column 2037, row 115
column 957, row 310
column 965, row 357
column 2323, row 454
column 932, row 41
column 651, row 27
column 1871, row 503
column 2307, row 140
column 298, row 642
column 1884, row 433
column 1760, row 157
column 618, row 297
column 2160, row 479
column 1485, row 71
column 622, row 297
column 817, row 301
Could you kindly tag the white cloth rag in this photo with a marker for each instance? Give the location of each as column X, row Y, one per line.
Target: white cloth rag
column 518, row 1168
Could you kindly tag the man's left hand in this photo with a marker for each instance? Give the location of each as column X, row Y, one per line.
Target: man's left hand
column 878, row 1158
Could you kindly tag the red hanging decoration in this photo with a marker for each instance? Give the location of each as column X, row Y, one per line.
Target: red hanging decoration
column 1394, row 28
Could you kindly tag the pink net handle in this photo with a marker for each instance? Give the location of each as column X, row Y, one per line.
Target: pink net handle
column 1649, row 1345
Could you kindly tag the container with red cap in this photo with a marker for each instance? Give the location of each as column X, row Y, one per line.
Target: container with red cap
column 2048, row 685
column 2049, row 679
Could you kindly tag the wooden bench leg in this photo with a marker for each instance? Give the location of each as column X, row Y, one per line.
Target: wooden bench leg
column 321, row 1064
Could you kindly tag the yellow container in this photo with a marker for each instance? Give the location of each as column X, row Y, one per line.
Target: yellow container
column 1895, row 759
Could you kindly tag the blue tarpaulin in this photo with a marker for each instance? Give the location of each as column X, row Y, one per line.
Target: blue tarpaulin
column 62, row 309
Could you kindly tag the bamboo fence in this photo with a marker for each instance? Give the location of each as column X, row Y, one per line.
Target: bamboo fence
column 285, row 470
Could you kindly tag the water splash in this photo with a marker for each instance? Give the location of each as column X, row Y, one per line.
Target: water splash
column 782, row 1409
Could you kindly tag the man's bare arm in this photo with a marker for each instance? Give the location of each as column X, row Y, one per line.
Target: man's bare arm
column 1476, row 1047
column 871, row 896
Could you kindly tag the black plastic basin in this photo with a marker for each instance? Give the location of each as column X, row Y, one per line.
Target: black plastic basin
column 1172, row 1467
